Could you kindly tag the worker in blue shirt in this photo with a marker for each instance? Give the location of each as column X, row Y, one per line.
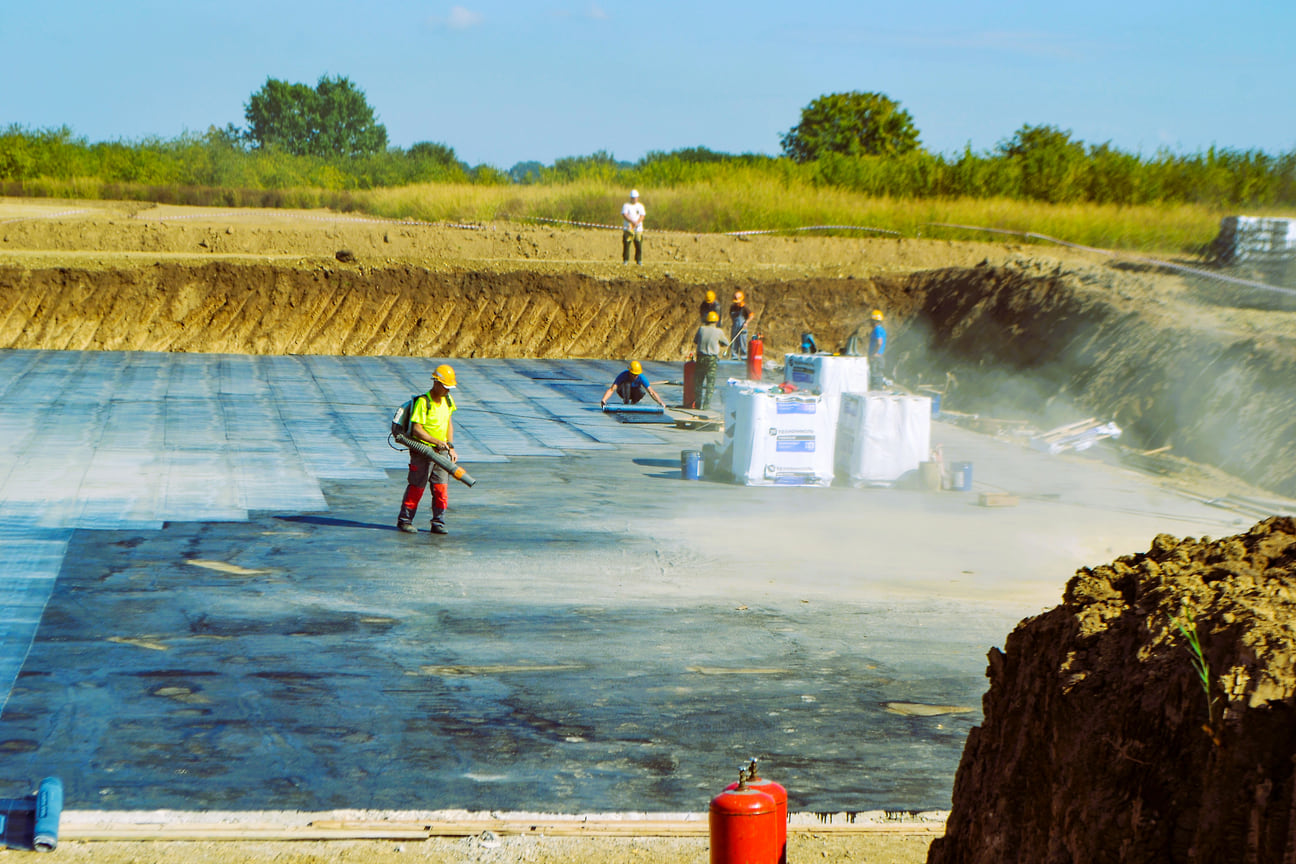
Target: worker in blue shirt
column 631, row 385
column 877, row 352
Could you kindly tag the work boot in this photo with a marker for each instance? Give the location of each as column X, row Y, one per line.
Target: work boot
column 439, row 527
column 438, row 518
column 405, row 521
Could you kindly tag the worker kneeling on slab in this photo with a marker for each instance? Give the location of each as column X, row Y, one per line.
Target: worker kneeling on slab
column 631, row 385
column 430, row 421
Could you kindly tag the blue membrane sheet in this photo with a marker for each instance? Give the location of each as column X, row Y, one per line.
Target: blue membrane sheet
column 132, row 440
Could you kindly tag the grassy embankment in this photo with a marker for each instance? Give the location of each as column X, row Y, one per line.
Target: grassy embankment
column 1165, row 229
column 1097, row 196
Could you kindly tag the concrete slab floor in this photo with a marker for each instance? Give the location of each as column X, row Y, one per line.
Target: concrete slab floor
column 595, row 634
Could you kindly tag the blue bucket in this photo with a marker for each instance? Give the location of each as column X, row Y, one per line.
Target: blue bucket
column 691, row 464
column 960, row 476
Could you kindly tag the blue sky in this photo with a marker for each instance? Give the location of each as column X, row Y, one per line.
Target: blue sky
column 502, row 81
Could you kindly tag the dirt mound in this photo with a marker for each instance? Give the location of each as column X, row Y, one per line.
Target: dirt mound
column 1098, row 742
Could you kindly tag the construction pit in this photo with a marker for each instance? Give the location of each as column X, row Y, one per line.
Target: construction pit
column 217, row 635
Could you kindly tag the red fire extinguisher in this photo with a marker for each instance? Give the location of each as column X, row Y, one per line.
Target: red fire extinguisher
column 743, row 829
column 690, row 385
column 755, row 357
column 779, row 794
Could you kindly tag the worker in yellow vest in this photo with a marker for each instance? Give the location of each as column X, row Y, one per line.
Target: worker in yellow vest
column 430, row 421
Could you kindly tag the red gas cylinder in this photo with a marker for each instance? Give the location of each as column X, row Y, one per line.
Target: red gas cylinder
column 690, row 386
column 755, row 357
column 779, row 794
column 743, row 829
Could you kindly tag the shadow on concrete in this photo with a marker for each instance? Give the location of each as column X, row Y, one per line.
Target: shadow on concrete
column 333, row 522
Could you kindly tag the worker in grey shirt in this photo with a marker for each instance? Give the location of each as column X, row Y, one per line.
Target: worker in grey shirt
column 709, row 340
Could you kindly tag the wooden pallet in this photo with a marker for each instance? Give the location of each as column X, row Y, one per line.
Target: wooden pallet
column 698, row 424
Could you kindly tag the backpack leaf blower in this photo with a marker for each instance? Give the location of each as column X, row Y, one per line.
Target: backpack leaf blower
column 425, row 449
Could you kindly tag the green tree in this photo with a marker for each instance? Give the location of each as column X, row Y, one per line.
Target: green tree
column 1052, row 164
column 526, row 172
column 852, row 124
column 333, row 119
column 432, row 151
column 600, row 165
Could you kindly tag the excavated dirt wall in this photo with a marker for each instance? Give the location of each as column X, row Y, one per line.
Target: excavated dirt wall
column 1036, row 342
column 402, row 310
column 1023, row 340
column 1099, row 743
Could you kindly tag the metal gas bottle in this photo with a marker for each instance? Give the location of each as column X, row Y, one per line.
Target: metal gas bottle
column 690, row 386
column 744, row 827
column 755, row 357
column 780, row 796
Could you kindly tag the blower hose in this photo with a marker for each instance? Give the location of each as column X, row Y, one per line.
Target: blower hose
column 425, row 449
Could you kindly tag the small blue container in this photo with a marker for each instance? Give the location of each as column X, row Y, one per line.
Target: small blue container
column 49, row 809
column 691, row 464
column 935, row 397
column 961, row 476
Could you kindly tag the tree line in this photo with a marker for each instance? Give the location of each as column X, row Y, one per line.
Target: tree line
column 328, row 137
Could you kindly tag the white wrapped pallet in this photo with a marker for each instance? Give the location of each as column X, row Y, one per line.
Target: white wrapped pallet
column 778, row 439
column 1255, row 239
column 881, row 436
column 828, row 374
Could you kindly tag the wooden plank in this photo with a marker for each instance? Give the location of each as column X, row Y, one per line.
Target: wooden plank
column 1070, row 429
column 329, row 829
column 998, row 499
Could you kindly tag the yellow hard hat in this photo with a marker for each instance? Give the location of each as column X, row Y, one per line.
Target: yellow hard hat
column 710, row 297
column 636, row 368
column 738, row 295
column 445, row 374
column 877, row 314
column 713, row 316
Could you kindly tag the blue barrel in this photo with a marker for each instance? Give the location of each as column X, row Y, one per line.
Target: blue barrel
column 691, row 464
column 961, row 476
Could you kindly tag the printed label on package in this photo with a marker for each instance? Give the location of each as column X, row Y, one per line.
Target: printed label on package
column 797, row 407
column 801, row 371
column 795, row 444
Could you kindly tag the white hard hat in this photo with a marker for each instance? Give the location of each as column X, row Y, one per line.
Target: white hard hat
column 634, row 193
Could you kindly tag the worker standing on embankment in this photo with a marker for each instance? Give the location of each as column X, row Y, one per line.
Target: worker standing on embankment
column 632, row 231
column 430, row 421
column 708, row 341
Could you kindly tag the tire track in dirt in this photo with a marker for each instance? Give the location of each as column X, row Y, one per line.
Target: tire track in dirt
column 346, row 319
column 303, row 336
column 378, row 342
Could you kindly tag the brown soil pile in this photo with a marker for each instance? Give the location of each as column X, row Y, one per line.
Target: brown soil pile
column 1098, row 743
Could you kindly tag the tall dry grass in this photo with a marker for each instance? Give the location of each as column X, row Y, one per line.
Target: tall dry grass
column 763, row 203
